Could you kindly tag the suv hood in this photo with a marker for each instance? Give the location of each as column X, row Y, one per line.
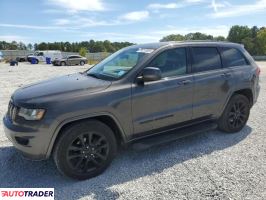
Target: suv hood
column 59, row 86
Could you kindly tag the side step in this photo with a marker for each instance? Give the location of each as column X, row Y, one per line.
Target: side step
column 172, row 135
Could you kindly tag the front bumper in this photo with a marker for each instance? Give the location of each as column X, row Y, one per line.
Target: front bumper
column 31, row 142
column 56, row 63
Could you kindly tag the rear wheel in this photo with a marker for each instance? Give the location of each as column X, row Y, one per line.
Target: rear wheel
column 85, row 149
column 82, row 63
column 63, row 63
column 235, row 115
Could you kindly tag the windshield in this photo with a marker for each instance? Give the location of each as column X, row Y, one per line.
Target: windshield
column 119, row 63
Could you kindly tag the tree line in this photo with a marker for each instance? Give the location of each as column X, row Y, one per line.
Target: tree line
column 91, row 46
column 254, row 40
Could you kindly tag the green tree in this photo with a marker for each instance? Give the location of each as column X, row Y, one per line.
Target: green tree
column 21, row 46
column 238, row 33
column 248, row 43
column 83, row 51
column 29, row 46
column 261, row 37
column 108, row 46
column 35, row 46
column 13, row 45
column 198, row 36
column 172, row 37
column 219, row 38
column 42, row 46
column 99, row 47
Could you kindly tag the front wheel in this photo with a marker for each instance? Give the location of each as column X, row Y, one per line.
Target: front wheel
column 85, row 149
column 63, row 63
column 235, row 115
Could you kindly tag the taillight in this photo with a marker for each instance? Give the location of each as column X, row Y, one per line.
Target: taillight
column 258, row 71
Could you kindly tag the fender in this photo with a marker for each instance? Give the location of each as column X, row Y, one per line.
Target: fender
column 80, row 117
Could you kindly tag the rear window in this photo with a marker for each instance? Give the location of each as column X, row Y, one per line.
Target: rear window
column 205, row 58
column 232, row 57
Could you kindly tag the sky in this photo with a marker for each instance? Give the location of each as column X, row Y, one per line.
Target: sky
column 137, row 21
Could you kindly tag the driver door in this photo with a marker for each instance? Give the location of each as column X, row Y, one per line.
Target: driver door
column 165, row 102
column 41, row 57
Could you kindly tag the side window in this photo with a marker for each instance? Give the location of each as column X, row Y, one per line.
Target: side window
column 70, row 57
column 232, row 57
column 40, row 54
column 205, row 58
column 171, row 62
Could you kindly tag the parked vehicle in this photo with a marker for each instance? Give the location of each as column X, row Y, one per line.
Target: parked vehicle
column 40, row 56
column 1, row 56
column 70, row 60
column 142, row 95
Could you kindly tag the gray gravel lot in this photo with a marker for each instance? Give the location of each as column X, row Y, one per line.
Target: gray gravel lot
column 211, row 165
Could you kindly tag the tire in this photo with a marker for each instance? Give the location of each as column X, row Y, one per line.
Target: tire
column 82, row 63
column 84, row 160
column 235, row 114
column 63, row 63
column 37, row 61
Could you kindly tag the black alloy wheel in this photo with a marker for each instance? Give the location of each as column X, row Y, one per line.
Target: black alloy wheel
column 238, row 114
column 88, row 152
column 85, row 149
column 235, row 115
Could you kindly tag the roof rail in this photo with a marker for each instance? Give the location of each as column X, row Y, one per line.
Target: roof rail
column 200, row 41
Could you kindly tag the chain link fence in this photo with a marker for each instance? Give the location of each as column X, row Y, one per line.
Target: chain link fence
column 92, row 57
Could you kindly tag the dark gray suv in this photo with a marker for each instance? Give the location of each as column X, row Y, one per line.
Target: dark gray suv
column 164, row 90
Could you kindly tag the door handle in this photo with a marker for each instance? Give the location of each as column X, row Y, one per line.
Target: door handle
column 184, row 82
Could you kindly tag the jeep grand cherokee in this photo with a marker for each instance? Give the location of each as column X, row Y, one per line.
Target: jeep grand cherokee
column 141, row 95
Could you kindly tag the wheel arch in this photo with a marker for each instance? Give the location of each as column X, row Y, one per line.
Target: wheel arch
column 105, row 118
column 245, row 91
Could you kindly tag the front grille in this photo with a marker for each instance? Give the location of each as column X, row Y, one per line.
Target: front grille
column 12, row 111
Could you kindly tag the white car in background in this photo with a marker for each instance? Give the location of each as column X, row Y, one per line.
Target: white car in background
column 41, row 56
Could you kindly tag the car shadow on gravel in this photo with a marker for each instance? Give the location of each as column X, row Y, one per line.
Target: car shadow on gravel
column 129, row 165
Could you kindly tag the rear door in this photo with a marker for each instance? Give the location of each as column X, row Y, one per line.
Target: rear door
column 71, row 60
column 212, row 82
column 165, row 102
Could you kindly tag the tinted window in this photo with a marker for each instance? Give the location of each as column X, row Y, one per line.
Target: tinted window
column 232, row 57
column 205, row 58
column 171, row 62
column 72, row 57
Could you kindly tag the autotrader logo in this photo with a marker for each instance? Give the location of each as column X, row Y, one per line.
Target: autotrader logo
column 27, row 193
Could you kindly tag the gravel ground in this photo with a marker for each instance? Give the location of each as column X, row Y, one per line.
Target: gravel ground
column 211, row 165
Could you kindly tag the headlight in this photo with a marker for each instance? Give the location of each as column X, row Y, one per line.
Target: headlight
column 31, row 114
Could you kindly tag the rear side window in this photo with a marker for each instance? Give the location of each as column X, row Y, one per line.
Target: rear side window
column 205, row 58
column 72, row 57
column 76, row 57
column 232, row 57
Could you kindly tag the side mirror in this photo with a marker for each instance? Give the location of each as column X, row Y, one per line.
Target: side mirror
column 150, row 74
